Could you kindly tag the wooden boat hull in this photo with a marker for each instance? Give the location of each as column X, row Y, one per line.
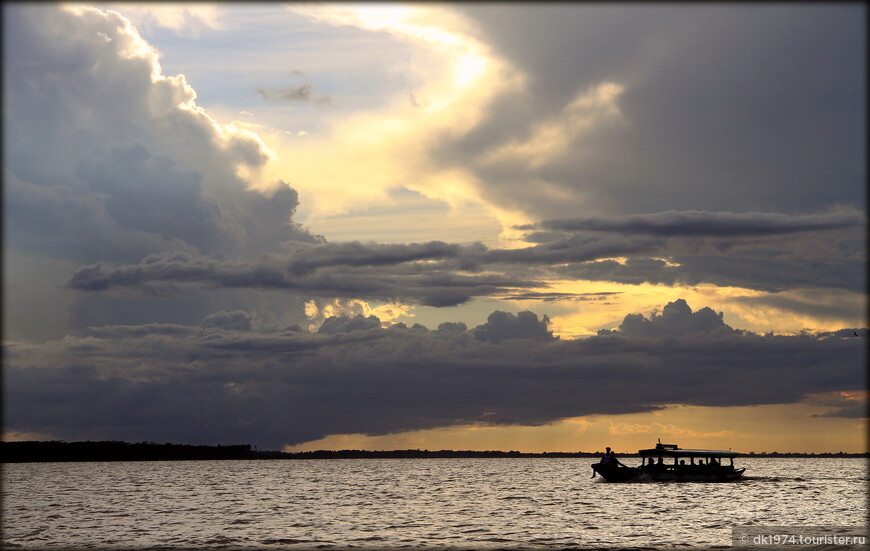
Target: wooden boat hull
column 637, row 474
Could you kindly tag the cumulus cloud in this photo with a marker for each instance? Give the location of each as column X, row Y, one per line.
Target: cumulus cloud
column 676, row 319
column 271, row 388
column 501, row 326
column 99, row 128
column 113, row 160
column 318, row 310
column 345, row 324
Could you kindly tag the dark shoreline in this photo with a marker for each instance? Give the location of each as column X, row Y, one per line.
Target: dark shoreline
column 58, row 451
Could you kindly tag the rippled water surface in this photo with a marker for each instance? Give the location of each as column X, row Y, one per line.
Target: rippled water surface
column 517, row 503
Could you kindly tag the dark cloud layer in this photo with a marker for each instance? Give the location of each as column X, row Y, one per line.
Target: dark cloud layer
column 723, row 107
column 170, row 273
column 767, row 252
column 706, row 224
column 271, row 388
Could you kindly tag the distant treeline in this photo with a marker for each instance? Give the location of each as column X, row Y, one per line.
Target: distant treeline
column 24, row 452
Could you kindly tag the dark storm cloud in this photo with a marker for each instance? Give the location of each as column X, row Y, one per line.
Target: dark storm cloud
column 273, row 388
column 723, row 107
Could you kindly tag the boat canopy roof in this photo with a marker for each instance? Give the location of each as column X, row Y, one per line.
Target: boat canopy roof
column 671, row 450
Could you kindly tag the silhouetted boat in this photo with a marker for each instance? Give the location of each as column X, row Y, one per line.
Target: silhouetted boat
column 709, row 467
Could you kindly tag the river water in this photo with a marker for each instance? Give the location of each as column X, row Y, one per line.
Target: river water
column 504, row 503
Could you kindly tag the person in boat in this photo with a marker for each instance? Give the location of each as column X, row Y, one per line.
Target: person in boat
column 610, row 459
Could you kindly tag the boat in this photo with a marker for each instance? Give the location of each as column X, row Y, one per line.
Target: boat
column 708, row 468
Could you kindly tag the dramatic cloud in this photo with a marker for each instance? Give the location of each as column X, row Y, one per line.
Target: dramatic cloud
column 112, row 159
column 725, row 107
column 164, row 290
column 218, row 384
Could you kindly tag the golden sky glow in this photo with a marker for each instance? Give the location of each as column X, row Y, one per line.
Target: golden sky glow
column 782, row 428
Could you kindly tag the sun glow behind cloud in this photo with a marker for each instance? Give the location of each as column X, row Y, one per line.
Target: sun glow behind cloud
column 369, row 153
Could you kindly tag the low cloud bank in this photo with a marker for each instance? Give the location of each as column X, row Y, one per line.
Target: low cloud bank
column 225, row 382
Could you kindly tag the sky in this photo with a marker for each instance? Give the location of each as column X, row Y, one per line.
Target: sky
column 532, row 227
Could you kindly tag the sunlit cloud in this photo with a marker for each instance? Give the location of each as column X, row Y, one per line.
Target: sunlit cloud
column 318, row 310
column 552, row 138
column 369, row 153
column 186, row 17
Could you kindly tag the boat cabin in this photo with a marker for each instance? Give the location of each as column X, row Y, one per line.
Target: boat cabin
column 672, row 451
column 668, row 462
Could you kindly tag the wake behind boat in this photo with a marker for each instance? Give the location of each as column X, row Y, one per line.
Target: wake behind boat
column 708, row 468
